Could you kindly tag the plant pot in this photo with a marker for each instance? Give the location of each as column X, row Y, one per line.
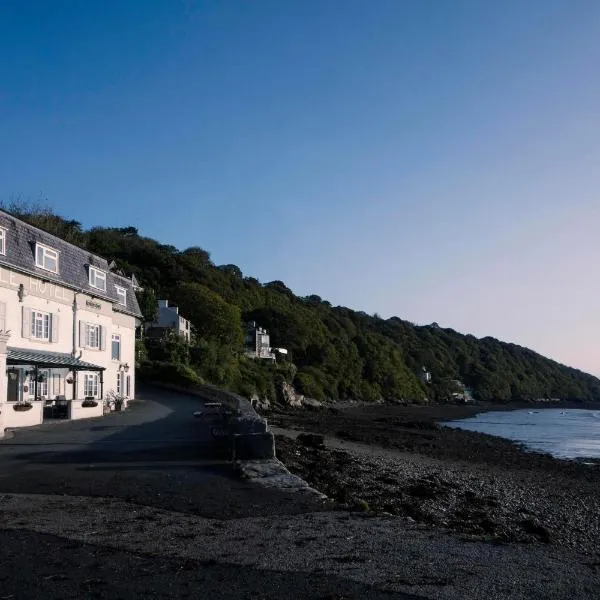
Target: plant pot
column 23, row 406
column 89, row 403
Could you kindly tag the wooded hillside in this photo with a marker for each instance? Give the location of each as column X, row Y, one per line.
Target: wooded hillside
column 336, row 352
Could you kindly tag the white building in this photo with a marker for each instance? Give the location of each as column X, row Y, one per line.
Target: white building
column 169, row 319
column 258, row 342
column 68, row 327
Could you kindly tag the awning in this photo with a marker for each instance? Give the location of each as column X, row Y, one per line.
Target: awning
column 48, row 360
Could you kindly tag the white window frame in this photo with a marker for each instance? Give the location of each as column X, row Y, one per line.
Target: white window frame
column 91, row 384
column 115, row 337
column 121, row 292
column 92, row 334
column 3, row 232
column 46, row 253
column 45, row 324
column 42, row 386
column 96, row 274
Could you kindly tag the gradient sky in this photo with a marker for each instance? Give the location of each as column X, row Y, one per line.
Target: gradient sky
column 435, row 160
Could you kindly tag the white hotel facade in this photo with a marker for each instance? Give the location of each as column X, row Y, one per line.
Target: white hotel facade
column 67, row 328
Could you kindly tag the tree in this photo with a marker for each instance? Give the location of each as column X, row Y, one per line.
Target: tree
column 213, row 318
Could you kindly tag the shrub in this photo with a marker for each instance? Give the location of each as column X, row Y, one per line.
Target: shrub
column 165, row 372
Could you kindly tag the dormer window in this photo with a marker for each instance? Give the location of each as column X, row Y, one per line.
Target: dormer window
column 46, row 258
column 121, row 295
column 97, row 278
column 2, row 240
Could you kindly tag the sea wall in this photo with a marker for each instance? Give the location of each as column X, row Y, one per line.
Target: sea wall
column 248, row 432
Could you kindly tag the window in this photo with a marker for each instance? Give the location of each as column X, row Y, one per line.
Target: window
column 128, row 386
column 121, row 295
column 90, row 384
column 2, row 240
column 42, row 384
column 97, row 278
column 40, row 325
column 93, row 336
column 46, row 258
column 116, row 347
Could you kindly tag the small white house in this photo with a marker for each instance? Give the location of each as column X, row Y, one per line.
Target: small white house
column 169, row 319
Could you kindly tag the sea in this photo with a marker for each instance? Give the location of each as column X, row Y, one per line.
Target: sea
column 563, row 433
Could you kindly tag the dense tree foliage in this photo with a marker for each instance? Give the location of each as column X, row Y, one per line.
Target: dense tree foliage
column 334, row 352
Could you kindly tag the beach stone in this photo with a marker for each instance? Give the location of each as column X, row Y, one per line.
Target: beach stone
column 311, row 440
column 534, row 527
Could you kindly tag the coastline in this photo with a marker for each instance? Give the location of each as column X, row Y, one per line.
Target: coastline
column 399, row 460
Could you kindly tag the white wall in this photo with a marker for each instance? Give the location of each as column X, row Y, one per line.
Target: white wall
column 61, row 302
column 13, row 418
column 77, row 412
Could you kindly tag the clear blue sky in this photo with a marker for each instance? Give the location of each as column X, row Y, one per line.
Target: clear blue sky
column 430, row 159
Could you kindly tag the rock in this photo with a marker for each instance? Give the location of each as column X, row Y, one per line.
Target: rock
column 534, row 527
column 425, row 489
column 311, row 403
column 290, row 396
column 311, row 440
column 260, row 403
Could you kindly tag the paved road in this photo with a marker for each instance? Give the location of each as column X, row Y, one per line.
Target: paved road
column 155, row 453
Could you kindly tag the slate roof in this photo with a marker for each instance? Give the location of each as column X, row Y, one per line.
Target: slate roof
column 73, row 263
column 18, row 356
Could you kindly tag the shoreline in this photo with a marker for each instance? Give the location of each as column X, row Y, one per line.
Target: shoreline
column 401, row 461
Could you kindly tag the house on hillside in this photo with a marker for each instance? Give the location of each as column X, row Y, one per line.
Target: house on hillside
column 425, row 375
column 168, row 319
column 67, row 328
column 258, row 342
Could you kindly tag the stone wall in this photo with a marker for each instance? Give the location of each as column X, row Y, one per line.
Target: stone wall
column 248, row 431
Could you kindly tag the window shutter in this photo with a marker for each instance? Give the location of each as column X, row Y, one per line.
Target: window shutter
column 82, row 332
column 26, row 329
column 2, row 316
column 102, row 333
column 54, row 328
column 128, row 390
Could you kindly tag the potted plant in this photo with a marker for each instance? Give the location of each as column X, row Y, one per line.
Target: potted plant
column 89, row 402
column 22, row 406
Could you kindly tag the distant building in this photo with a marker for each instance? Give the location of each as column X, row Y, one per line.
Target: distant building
column 464, row 394
column 258, row 342
column 425, row 375
column 168, row 319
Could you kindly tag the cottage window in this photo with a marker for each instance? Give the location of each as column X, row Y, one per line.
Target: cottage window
column 46, row 258
column 90, row 384
column 40, row 325
column 93, row 336
column 97, row 278
column 116, row 347
column 121, row 295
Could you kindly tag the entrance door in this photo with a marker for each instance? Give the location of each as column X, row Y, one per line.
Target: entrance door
column 13, row 385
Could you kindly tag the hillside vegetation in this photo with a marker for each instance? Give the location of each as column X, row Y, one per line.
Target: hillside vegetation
column 335, row 352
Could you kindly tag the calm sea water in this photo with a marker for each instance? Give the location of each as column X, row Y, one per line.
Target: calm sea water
column 562, row 433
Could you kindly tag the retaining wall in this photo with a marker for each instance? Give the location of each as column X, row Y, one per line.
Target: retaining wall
column 249, row 432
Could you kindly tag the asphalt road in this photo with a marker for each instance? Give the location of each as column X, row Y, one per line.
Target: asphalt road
column 155, row 453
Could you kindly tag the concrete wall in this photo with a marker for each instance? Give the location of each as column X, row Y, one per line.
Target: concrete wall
column 77, row 412
column 28, row 418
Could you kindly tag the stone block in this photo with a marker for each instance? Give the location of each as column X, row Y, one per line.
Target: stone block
column 253, row 446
